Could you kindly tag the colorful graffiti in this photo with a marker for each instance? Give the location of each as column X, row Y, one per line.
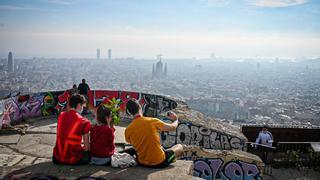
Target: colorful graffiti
column 30, row 106
column 191, row 134
column 48, row 106
column 6, row 110
column 152, row 104
column 21, row 107
column 217, row 169
column 18, row 108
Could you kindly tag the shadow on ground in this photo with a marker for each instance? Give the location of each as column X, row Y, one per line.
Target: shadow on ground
column 107, row 172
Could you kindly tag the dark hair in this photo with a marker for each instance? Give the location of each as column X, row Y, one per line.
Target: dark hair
column 76, row 99
column 83, row 80
column 102, row 113
column 132, row 107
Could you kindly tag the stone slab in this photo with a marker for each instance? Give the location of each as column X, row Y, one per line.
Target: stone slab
column 10, row 139
column 6, row 150
column 41, row 160
column 26, row 161
column 48, row 128
column 10, row 160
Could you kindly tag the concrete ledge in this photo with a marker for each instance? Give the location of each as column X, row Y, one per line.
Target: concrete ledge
column 178, row 170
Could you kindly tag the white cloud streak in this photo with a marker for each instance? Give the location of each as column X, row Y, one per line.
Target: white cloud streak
column 17, row 8
column 277, row 3
column 61, row 2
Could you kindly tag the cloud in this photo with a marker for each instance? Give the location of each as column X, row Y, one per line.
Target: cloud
column 277, row 3
column 60, row 2
column 17, row 8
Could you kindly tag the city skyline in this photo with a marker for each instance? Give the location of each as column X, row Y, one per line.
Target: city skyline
column 179, row 29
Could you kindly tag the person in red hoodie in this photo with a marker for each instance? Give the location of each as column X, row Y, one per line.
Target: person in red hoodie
column 71, row 131
column 102, row 145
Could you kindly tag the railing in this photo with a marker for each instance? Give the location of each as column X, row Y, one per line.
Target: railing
column 265, row 153
column 294, row 146
column 286, row 154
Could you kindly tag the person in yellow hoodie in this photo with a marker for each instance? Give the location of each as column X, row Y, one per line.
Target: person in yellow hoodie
column 143, row 134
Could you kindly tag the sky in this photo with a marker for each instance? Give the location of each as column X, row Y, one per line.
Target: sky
column 174, row 28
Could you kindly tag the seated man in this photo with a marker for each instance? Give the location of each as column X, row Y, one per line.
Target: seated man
column 265, row 137
column 142, row 134
column 72, row 129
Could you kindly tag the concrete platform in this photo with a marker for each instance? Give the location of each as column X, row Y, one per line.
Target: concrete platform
column 10, row 139
column 39, row 138
column 30, row 154
column 178, row 170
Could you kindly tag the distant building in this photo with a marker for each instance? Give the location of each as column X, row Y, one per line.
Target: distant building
column 2, row 67
column 157, row 70
column 98, row 53
column 10, row 62
column 165, row 69
column 109, row 54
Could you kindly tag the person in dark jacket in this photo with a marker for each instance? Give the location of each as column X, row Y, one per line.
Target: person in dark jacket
column 83, row 88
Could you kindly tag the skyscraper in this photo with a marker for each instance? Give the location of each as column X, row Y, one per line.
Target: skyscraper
column 165, row 69
column 98, row 53
column 10, row 63
column 109, row 54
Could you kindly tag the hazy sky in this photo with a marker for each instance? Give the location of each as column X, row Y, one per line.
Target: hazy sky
column 175, row 28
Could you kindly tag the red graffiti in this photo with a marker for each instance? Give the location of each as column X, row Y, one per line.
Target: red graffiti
column 102, row 97
column 63, row 101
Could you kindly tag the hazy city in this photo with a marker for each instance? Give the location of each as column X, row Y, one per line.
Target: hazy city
column 238, row 91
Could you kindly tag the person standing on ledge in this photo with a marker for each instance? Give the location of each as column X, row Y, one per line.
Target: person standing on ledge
column 265, row 137
column 142, row 134
column 83, row 90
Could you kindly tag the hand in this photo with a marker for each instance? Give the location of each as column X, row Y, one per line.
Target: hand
column 172, row 116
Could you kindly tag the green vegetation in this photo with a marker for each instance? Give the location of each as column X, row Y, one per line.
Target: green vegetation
column 113, row 105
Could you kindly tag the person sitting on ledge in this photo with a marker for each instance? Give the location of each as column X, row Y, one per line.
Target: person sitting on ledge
column 265, row 137
column 142, row 134
column 102, row 145
column 72, row 129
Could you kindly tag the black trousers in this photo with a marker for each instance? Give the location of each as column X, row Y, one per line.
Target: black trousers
column 170, row 157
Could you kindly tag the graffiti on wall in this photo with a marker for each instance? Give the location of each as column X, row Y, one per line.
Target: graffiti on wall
column 6, row 110
column 49, row 103
column 222, row 165
column 190, row 134
column 16, row 108
column 217, row 169
column 21, row 107
column 152, row 104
